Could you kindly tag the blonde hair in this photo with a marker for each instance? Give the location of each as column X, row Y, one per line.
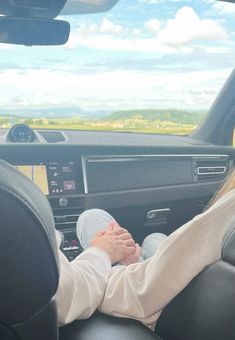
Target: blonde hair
column 226, row 186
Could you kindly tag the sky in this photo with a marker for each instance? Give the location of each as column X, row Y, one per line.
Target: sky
column 143, row 54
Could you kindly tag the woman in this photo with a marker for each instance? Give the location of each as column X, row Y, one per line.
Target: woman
column 141, row 290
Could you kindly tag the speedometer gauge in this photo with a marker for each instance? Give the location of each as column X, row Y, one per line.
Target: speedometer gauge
column 21, row 133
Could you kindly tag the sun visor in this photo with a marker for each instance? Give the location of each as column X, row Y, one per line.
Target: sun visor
column 32, row 8
column 87, row 6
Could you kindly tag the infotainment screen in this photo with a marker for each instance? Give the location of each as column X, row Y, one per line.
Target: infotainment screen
column 37, row 173
column 53, row 178
column 61, row 178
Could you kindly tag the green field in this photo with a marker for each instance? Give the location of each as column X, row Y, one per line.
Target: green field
column 144, row 121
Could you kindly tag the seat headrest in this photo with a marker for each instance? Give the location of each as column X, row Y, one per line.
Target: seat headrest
column 29, row 267
column 228, row 245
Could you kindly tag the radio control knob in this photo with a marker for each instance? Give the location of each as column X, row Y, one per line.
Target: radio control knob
column 63, row 202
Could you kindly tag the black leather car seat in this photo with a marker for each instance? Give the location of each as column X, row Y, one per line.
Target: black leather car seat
column 29, row 272
column 28, row 261
column 205, row 309
column 105, row 327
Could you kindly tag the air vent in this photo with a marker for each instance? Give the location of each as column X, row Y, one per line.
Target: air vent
column 53, row 136
column 66, row 221
column 210, row 168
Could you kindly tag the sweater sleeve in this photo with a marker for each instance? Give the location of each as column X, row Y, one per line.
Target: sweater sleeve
column 82, row 284
column 142, row 290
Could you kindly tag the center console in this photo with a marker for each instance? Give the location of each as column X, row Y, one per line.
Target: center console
column 62, row 183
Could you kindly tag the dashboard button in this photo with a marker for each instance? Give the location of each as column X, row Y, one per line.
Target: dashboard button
column 63, row 202
column 74, row 243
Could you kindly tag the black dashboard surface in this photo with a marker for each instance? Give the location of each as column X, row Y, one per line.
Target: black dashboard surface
column 111, row 168
column 128, row 176
column 109, row 138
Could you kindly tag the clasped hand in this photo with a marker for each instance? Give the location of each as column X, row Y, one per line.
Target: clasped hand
column 118, row 243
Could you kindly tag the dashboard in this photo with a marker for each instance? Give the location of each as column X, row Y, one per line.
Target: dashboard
column 148, row 187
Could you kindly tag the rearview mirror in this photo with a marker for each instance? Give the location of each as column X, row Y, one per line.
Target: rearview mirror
column 26, row 31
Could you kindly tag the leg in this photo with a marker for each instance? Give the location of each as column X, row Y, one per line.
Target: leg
column 141, row 290
column 151, row 244
column 90, row 222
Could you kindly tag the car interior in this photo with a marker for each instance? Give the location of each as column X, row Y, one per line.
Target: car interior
column 148, row 182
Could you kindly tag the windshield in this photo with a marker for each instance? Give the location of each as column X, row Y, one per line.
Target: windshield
column 146, row 66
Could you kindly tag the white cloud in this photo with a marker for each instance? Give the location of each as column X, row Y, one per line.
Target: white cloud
column 87, row 29
column 123, row 89
column 226, row 8
column 137, row 32
column 152, row 25
column 217, row 50
column 151, row 1
column 108, row 43
column 187, row 27
column 177, row 34
column 81, row 36
column 108, row 27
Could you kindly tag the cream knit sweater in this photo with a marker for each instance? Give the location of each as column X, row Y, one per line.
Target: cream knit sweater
column 141, row 290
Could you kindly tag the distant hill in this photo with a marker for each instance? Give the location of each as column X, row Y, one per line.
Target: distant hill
column 99, row 116
column 176, row 116
column 146, row 121
column 53, row 112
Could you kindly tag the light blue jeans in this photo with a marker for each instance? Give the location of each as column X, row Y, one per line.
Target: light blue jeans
column 93, row 220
